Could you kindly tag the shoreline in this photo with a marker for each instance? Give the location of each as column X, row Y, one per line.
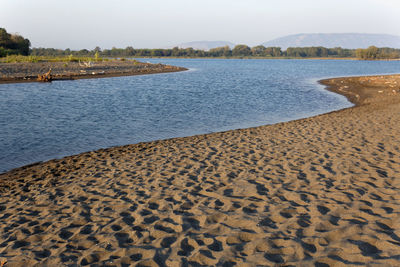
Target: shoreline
column 329, row 83
column 31, row 79
column 62, row 71
column 319, row 190
column 361, row 90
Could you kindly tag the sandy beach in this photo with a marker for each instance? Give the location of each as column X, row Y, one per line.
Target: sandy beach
column 320, row 191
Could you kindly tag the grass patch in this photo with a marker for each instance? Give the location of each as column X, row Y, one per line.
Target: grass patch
column 70, row 58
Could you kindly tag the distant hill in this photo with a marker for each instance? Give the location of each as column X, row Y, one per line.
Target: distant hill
column 331, row 40
column 205, row 45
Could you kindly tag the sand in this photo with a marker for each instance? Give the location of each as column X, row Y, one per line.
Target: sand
column 321, row 191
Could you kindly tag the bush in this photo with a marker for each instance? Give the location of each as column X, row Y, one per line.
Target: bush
column 11, row 44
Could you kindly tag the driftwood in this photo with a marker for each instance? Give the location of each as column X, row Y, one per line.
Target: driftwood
column 47, row 77
column 86, row 64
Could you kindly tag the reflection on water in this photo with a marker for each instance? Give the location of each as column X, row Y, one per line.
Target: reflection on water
column 43, row 121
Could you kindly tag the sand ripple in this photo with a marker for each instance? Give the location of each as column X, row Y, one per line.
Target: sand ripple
column 321, row 191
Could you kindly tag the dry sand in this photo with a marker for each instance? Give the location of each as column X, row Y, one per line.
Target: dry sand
column 321, row 191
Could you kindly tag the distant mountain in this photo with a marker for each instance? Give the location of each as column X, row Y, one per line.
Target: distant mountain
column 205, row 45
column 330, row 40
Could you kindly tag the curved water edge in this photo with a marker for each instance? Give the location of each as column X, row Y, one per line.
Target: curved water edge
column 45, row 121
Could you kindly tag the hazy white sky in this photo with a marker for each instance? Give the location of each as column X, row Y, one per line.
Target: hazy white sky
column 79, row 24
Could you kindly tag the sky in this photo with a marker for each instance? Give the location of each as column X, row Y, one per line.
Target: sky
column 85, row 24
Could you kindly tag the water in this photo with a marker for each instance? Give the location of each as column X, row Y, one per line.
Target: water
column 44, row 121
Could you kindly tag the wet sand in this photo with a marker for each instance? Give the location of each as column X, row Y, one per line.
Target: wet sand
column 321, row 191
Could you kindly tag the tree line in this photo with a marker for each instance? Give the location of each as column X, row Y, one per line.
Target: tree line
column 13, row 44
column 226, row 52
column 374, row 52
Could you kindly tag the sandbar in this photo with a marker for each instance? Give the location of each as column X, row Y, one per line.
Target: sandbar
column 29, row 71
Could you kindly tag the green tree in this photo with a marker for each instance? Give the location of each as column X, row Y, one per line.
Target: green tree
column 130, row 51
column 3, row 52
column 5, row 39
column 259, row 51
column 223, row 51
column 175, row 52
column 273, row 51
column 157, row 53
column 227, row 51
column 21, row 44
column 189, row 52
column 97, row 49
column 13, row 43
column 143, row 52
column 241, row 50
column 371, row 52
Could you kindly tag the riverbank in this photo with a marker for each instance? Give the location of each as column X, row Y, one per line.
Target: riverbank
column 29, row 71
column 321, row 190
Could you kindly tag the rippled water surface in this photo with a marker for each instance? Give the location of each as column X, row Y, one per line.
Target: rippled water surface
column 43, row 121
